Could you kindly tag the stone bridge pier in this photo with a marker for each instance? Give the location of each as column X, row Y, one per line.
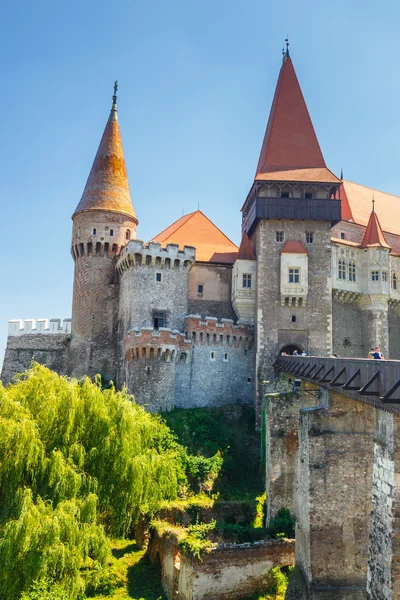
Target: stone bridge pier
column 346, row 485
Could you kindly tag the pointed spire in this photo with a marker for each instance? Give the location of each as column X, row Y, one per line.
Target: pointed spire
column 290, row 141
column 374, row 235
column 341, row 173
column 245, row 250
column 107, row 187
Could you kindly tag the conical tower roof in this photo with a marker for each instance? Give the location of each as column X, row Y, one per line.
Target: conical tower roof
column 290, row 149
column 374, row 235
column 107, row 187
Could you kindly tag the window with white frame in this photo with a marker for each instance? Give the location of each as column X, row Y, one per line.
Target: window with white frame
column 246, row 283
column 309, row 237
column 352, row 271
column 375, row 275
column 226, row 356
column 384, row 276
column 212, row 355
column 279, row 236
column 294, row 275
column 394, row 281
column 342, row 269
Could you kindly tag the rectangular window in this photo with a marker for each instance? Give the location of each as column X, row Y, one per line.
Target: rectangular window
column 375, row 275
column 158, row 276
column 200, row 288
column 212, row 355
column 342, row 269
column 159, row 320
column 226, row 356
column 284, row 194
column 246, row 280
column 309, row 237
column 308, row 195
column 94, row 230
column 342, row 235
column 279, row 236
column 352, row 271
column 384, row 275
column 294, row 275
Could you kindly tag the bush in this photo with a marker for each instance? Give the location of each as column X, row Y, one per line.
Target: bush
column 282, row 525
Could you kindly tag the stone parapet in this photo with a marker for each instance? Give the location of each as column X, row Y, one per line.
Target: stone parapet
column 212, row 332
column 156, row 344
column 18, row 327
column 139, row 254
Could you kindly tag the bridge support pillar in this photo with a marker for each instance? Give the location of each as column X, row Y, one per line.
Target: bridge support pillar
column 334, row 497
column 280, row 427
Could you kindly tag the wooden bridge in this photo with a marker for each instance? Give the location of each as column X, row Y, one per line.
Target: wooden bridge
column 375, row 382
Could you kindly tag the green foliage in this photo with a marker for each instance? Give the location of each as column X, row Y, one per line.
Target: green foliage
column 77, row 461
column 282, row 525
column 259, row 519
column 45, row 590
column 203, row 471
column 276, row 585
column 228, row 432
column 240, row 534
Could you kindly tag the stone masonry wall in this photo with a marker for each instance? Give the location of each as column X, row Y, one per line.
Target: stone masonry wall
column 50, row 350
column 347, row 330
column 313, row 320
column 394, row 337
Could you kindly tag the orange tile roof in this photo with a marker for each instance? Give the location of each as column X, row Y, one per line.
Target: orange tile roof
column 245, row 249
column 290, row 144
column 319, row 175
column 360, row 203
column 374, row 235
column 107, row 187
column 293, row 247
column 195, row 229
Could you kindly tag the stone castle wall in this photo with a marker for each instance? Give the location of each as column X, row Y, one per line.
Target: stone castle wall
column 347, row 329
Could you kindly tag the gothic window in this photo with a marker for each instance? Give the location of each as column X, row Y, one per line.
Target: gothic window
column 309, row 237
column 394, row 281
column 246, row 280
column 342, row 269
column 279, row 236
column 159, row 320
column 294, row 275
column 352, row 271
column 128, row 234
column 384, row 276
column 375, row 275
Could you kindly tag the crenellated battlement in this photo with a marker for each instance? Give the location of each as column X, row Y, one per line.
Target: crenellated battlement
column 139, row 254
column 212, row 332
column 158, row 344
column 18, row 327
column 94, row 249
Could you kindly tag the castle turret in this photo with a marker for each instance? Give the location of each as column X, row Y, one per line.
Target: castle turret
column 294, row 199
column 103, row 223
column 375, row 286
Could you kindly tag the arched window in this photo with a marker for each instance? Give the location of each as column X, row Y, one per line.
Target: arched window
column 352, row 271
column 394, row 281
column 342, row 269
column 128, row 234
column 111, row 232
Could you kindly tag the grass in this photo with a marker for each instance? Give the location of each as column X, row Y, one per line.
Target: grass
column 129, row 574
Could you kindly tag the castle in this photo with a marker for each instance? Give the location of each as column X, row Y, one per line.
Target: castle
column 189, row 319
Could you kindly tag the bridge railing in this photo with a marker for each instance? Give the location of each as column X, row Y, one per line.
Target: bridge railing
column 374, row 381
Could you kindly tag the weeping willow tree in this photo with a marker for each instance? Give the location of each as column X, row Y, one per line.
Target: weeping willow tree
column 76, row 463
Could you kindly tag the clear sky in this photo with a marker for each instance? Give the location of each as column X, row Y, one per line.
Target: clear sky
column 196, row 83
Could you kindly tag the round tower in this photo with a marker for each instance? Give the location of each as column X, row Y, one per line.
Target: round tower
column 103, row 223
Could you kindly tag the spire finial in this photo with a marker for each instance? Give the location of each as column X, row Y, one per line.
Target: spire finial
column 341, row 173
column 287, row 46
column 373, row 203
column 115, row 92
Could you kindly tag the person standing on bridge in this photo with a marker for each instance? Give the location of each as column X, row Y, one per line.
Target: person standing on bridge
column 377, row 354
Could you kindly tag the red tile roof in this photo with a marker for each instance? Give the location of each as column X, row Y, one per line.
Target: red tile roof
column 293, row 247
column 195, row 229
column 107, row 187
column 245, row 249
column 359, row 200
column 374, row 235
column 290, row 143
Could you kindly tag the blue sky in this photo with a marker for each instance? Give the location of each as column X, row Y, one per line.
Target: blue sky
column 196, row 83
